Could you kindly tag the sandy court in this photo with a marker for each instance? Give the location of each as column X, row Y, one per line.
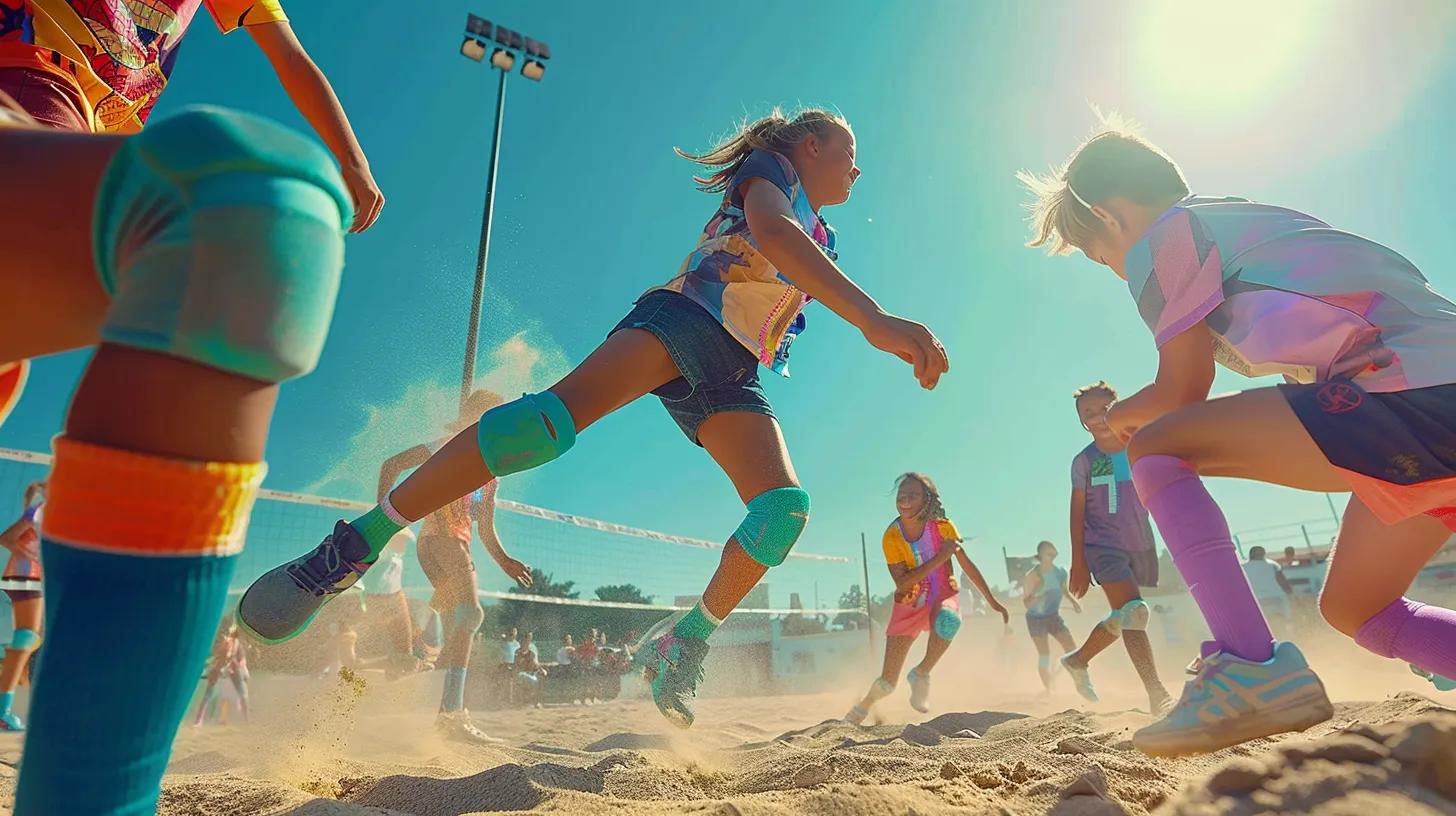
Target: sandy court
column 340, row 747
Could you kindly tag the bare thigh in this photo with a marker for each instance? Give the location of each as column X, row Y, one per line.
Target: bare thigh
column 1253, row 435
column 51, row 178
column 1374, row 563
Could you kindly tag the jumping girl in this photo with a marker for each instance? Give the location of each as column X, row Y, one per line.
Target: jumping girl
column 22, row 580
column 695, row 343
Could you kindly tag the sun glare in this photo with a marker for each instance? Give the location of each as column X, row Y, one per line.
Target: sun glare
column 1226, row 54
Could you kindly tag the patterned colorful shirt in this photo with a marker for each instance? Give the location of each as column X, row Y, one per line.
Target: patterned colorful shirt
column 1285, row 293
column 729, row 277
column 939, row 584
column 124, row 50
column 1113, row 515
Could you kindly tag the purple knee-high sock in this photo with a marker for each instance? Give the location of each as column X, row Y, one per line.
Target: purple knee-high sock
column 1198, row 539
column 1424, row 636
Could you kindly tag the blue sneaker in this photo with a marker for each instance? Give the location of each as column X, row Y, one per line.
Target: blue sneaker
column 1231, row 700
column 1080, row 677
column 1441, row 683
column 10, row 721
column 674, row 670
column 281, row 603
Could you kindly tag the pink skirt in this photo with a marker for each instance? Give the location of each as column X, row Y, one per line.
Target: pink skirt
column 910, row 621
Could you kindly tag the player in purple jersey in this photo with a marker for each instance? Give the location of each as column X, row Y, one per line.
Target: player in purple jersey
column 1112, row 544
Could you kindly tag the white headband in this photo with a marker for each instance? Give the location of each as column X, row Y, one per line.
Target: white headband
column 1080, row 200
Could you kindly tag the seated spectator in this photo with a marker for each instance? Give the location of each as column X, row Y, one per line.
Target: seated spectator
column 567, row 653
column 529, row 672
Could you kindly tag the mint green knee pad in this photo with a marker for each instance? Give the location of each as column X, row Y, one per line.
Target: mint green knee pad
column 24, row 640
column 947, row 623
column 525, row 433
column 774, row 521
column 219, row 236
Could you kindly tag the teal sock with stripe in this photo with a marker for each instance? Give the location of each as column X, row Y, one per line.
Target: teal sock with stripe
column 697, row 624
column 377, row 528
column 100, row 740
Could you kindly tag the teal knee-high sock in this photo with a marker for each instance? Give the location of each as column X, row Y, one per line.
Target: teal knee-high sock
column 127, row 637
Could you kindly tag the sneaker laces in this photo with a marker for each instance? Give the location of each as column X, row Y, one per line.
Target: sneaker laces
column 321, row 572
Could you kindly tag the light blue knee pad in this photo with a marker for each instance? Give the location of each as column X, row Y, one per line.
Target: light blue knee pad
column 774, row 521
column 1135, row 615
column 219, row 236
column 947, row 623
column 525, row 433
column 25, row 640
column 1132, row 616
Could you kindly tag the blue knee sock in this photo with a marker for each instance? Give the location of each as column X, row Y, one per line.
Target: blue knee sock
column 7, row 699
column 127, row 637
column 454, row 696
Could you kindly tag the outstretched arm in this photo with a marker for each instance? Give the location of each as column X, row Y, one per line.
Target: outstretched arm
column 979, row 581
column 314, row 97
column 781, row 240
column 482, row 510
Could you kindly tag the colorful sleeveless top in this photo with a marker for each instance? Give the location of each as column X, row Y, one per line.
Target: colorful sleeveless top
column 939, row 584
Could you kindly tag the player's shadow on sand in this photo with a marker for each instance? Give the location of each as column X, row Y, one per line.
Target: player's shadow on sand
column 506, row 787
column 958, row 725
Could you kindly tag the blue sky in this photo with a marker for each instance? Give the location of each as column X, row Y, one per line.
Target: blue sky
column 948, row 100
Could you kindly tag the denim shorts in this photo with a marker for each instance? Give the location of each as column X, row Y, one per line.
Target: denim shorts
column 718, row 373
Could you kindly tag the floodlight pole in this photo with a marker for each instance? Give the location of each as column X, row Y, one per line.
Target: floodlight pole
column 472, row 337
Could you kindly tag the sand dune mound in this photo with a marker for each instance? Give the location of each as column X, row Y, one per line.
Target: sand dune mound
column 1396, row 757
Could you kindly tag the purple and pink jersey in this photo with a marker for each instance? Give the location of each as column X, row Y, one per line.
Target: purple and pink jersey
column 1113, row 514
column 1285, row 293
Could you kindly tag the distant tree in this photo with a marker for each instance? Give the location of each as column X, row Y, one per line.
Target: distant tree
column 622, row 593
column 852, row 599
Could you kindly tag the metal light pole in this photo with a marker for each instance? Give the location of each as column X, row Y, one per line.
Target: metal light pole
column 478, row 34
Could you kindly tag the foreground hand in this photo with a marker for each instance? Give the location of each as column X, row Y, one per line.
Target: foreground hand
column 1079, row 579
column 1119, row 423
column 911, row 342
column 518, row 572
column 368, row 200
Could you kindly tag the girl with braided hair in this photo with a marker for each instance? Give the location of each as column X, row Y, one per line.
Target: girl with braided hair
column 919, row 544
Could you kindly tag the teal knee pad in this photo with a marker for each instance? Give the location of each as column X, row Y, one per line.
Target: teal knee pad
column 947, row 623
column 774, row 521
column 525, row 433
column 1135, row 615
column 219, row 236
column 25, row 640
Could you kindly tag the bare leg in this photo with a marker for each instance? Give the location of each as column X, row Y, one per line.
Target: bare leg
column 1043, row 660
column 1118, row 593
column 629, row 364
column 1373, row 564
column 750, row 449
column 27, row 615
column 935, row 649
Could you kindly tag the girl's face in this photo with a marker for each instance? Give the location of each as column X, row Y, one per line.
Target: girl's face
column 910, row 499
column 1046, row 554
column 1092, row 409
column 827, row 166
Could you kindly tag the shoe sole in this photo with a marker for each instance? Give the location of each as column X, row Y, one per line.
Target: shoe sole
column 1228, row 733
column 259, row 638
